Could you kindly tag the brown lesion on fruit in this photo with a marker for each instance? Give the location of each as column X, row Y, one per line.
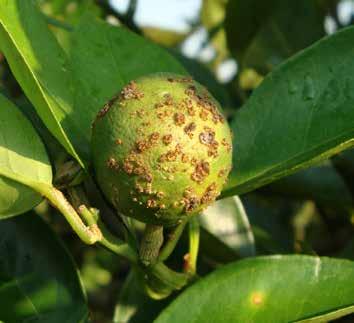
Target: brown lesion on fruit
column 222, row 172
column 142, row 145
column 154, row 137
column 201, row 171
column 187, row 104
column 148, row 177
column 167, row 139
column 144, row 188
column 171, row 155
column 168, row 99
column 105, row 109
column 186, row 79
column 203, row 99
column 133, row 164
column 185, row 158
column 151, row 204
column 208, row 138
column 203, row 114
column 131, row 91
column 210, row 194
column 159, row 105
column 128, row 167
column 188, row 192
column 164, row 114
column 160, row 195
column 226, row 144
column 191, row 203
column 140, row 113
column 145, row 144
column 167, row 169
column 146, row 124
column 118, row 141
column 191, row 91
column 194, row 161
column 179, row 119
column 112, row 163
column 213, row 149
column 189, row 129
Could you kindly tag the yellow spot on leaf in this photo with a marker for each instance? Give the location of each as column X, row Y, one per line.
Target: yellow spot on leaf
column 257, row 298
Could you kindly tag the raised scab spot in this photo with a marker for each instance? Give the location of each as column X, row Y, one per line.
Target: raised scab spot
column 189, row 129
column 131, row 91
column 179, row 119
column 167, row 139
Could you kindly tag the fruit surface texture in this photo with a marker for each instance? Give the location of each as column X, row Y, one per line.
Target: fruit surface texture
column 162, row 150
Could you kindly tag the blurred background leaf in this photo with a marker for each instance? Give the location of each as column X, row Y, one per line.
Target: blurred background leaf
column 38, row 279
column 262, row 34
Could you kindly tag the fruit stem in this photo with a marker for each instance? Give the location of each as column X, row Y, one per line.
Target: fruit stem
column 94, row 230
column 116, row 245
column 151, row 243
column 169, row 277
column 172, row 241
column 92, row 216
column 89, row 234
column 194, row 233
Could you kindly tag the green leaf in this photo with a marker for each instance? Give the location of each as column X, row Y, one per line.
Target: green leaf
column 301, row 114
column 134, row 305
column 227, row 220
column 104, row 59
column 40, row 66
column 262, row 33
column 268, row 289
column 38, row 279
column 23, row 161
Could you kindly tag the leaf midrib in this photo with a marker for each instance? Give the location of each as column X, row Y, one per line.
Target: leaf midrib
column 274, row 167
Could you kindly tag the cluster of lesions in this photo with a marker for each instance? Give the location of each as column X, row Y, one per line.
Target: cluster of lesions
column 129, row 92
column 134, row 165
column 194, row 104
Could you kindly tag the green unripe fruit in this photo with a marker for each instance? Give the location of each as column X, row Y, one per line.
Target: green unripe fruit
column 161, row 149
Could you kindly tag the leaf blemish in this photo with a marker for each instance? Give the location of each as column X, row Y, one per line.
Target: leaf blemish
column 257, row 298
